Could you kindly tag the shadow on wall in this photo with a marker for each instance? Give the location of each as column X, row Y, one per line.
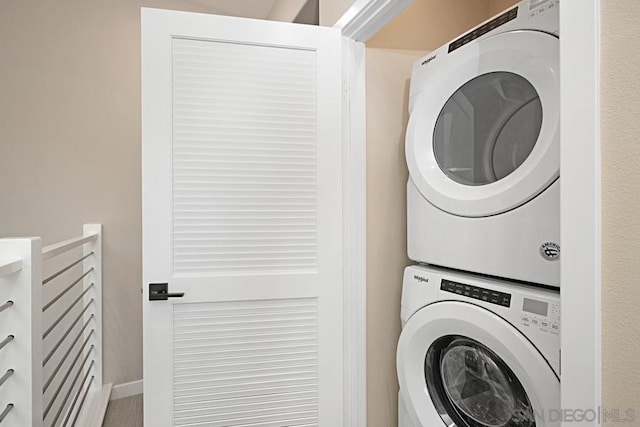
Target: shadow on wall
column 387, row 88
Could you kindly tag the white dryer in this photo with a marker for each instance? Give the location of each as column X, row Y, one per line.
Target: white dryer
column 483, row 149
column 477, row 352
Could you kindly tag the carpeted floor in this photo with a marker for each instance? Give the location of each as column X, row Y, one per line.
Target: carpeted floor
column 125, row 412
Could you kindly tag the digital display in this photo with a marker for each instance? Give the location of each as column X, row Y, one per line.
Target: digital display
column 536, row 307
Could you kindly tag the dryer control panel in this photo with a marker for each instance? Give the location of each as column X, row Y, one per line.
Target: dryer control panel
column 483, row 29
column 536, row 7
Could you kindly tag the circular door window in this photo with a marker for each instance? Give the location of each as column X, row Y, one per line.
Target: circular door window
column 484, row 132
column 487, row 128
column 472, row 387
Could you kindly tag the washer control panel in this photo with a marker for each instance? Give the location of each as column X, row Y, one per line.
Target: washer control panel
column 541, row 315
column 476, row 292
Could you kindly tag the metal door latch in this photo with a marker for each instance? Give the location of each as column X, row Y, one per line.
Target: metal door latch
column 160, row 292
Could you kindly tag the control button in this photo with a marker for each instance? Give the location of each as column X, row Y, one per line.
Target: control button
column 534, row 321
column 545, row 324
column 555, row 327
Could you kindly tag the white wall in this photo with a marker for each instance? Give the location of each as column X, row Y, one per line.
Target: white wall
column 332, row 10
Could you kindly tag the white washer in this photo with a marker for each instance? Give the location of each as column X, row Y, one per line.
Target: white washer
column 477, row 352
column 483, row 149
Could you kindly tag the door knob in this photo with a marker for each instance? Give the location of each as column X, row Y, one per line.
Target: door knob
column 160, row 292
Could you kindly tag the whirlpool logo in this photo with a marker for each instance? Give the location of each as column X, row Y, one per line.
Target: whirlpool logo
column 420, row 278
column 550, row 251
column 429, row 59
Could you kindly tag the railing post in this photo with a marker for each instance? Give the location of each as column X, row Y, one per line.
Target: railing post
column 23, row 321
column 95, row 280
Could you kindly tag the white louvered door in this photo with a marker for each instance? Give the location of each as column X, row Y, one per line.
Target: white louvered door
column 242, row 211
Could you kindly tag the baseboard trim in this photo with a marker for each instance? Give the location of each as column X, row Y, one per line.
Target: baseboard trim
column 126, row 389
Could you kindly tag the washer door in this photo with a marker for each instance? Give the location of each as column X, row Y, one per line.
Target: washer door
column 461, row 365
column 484, row 137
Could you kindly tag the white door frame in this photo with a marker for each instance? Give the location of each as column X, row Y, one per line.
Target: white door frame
column 359, row 23
column 580, row 200
column 580, row 205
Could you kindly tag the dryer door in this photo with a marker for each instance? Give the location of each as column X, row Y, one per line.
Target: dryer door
column 461, row 365
column 483, row 137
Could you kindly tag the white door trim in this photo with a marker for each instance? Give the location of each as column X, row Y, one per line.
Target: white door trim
column 355, row 229
column 366, row 17
column 580, row 204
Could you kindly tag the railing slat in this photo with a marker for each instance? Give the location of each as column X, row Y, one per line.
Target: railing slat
column 64, row 336
column 73, row 264
column 6, row 376
column 6, row 341
column 10, row 266
column 73, row 304
column 6, row 305
column 61, row 294
column 6, row 411
column 72, row 406
column 73, row 383
column 64, row 359
column 62, row 383
column 50, row 251
column 84, row 397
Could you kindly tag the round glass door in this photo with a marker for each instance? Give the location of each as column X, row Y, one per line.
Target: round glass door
column 487, row 128
column 483, row 135
column 472, row 387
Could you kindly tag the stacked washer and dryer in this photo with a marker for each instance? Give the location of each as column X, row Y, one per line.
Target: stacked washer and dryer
column 480, row 343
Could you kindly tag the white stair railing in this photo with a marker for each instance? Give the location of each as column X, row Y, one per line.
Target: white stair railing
column 53, row 323
column 20, row 330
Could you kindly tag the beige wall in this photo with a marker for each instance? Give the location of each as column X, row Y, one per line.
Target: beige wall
column 332, row 10
column 620, row 204
column 286, row 10
column 70, row 141
column 497, row 6
column 428, row 24
column 387, row 86
column 388, row 72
